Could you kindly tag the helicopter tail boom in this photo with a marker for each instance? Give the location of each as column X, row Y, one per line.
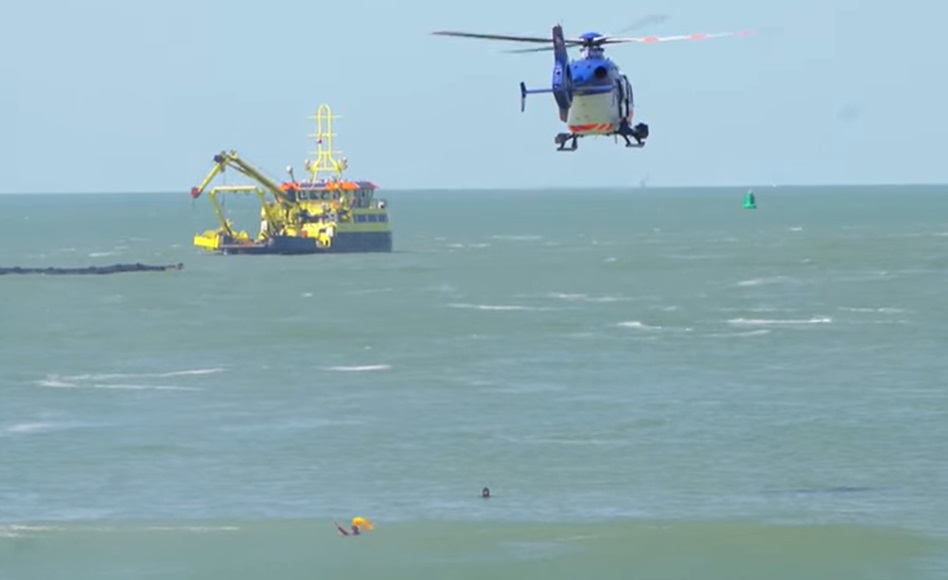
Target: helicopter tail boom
column 562, row 85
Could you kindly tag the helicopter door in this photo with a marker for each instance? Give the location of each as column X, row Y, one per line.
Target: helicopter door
column 629, row 97
column 625, row 96
column 620, row 93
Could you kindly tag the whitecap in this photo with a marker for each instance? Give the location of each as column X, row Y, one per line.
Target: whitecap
column 360, row 368
column 134, row 387
column 192, row 529
column 158, row 375
column 584, row 297
column 38, row 427
column 35, row 427
column 880, row 310
column 500, row 307
column 769, row 322
column 637, row 324
column 758, row 332
column 764, row 281
column 523, row 238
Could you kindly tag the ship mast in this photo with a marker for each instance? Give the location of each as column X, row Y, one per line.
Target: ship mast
column 325, row 154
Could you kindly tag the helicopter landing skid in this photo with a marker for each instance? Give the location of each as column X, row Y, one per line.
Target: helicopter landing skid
column 563, row 138
column 639, row 133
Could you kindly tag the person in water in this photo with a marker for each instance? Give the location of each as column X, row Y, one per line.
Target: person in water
column 485, row 493
column 354, row 532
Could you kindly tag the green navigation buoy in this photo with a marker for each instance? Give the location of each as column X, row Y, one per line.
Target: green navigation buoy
column 750, row 202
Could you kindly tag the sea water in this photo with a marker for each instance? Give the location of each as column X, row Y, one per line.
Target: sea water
column 654, row 383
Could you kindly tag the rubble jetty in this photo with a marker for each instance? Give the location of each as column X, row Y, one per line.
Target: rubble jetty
column 99, row 270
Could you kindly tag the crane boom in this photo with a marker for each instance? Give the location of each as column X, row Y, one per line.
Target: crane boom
column 230, row 158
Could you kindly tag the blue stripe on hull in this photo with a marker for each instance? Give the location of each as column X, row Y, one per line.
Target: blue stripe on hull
column 342, row 243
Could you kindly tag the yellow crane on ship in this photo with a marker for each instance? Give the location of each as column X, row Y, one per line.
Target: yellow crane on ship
column 272, row 214
column 318, row 215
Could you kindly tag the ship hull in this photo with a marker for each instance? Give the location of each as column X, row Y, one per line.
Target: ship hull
column 342, row 243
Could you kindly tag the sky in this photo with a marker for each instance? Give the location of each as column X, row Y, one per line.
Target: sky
column 120, row 96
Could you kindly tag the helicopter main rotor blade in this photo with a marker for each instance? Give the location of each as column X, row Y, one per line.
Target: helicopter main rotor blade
column 654, row 39
column 537, row 39
column 598, row 41
column 643, row 22
column 568, row 43
column 523, row 50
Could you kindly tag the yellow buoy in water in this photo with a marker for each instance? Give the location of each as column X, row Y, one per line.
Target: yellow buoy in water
column 361, row 522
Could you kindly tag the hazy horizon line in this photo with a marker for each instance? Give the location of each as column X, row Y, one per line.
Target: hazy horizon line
column 556, row 188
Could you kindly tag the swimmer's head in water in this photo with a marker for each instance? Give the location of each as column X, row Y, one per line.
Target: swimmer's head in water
column 485, row 492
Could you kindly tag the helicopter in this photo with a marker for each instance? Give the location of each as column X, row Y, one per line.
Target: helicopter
column 592, row 94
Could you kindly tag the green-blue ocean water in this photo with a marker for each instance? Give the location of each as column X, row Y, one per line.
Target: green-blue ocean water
column 654, row 383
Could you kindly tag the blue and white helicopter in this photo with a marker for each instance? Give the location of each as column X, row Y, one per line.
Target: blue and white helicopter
column 593, row 96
